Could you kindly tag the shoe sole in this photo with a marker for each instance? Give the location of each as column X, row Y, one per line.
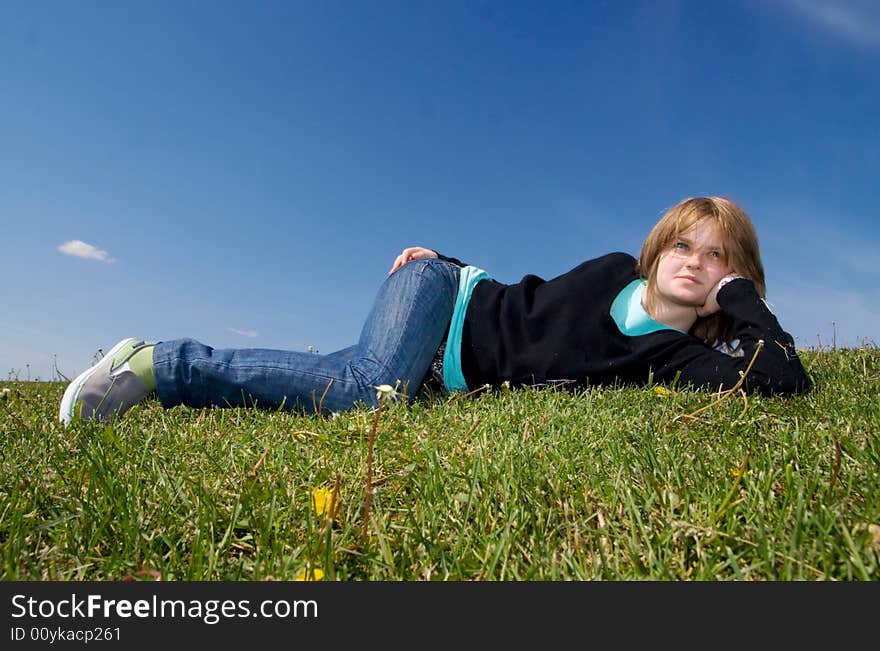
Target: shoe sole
column 68, row 401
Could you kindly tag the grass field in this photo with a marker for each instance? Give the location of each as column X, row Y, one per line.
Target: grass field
column 535, row 484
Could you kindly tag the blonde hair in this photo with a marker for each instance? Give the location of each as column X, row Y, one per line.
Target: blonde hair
column 740, row 242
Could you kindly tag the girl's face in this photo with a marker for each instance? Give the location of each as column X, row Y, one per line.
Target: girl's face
column 692, row 266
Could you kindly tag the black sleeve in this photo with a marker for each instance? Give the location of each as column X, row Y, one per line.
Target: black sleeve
column 452, row 260
column 777, row 368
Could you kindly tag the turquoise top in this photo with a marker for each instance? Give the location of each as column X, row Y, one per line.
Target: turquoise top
column 629, row 315
column 453, row 378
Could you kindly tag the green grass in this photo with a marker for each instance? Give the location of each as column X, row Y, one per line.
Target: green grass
column 601, row 484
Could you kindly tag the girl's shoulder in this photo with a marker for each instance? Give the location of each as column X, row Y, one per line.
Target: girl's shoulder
column 620, row 257
column 615, row 257
column 617, row 261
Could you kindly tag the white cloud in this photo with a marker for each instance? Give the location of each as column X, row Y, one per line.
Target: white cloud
column 81, row 249
column 243, row 333
column 857, row 21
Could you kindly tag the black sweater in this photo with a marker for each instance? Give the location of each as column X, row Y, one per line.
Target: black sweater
column 561, row 330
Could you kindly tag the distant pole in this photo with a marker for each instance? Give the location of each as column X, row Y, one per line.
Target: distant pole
column 29, row 372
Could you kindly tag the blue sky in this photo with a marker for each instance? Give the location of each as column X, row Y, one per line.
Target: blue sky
column 244, row 173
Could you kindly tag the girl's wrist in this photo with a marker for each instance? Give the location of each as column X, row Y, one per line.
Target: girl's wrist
column 728, row 278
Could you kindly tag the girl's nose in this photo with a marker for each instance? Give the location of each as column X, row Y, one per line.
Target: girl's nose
column 695, row 259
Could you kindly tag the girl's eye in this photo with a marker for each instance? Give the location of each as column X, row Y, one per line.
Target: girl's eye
column 681, row 246
column 715, row 254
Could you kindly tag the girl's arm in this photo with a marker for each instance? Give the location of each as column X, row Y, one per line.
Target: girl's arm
column 419, row 253
column 452, row 260
column 777, row 368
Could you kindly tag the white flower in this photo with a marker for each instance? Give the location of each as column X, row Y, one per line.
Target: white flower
column 386, row 392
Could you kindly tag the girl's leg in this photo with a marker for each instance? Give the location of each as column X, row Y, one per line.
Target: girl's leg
column 406, row 325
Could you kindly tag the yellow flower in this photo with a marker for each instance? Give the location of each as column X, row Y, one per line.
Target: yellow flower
column 663, row 393
column 325, row 501
column 314, row 575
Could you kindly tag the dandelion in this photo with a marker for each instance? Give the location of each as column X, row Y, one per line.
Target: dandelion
column 662, row 392
column 325, row 501
column 386, row 392
column 315, row 574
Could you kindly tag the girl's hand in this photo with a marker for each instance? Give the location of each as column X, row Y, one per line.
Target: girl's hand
column 711, row 305
column 409, row 254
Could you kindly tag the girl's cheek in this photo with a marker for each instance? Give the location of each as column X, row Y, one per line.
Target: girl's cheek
column 705, row 295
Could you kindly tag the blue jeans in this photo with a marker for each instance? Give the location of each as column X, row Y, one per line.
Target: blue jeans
column 406, row 325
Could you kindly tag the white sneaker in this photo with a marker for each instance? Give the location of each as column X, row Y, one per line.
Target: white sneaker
column 106, row 390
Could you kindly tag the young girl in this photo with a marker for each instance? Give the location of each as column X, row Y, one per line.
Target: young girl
column 697, row 286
